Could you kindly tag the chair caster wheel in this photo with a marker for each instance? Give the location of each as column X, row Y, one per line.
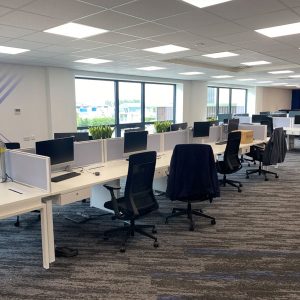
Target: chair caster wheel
column 156, row 244
column 247, row 177
column 266, row 179
column 241, row 185
column 166, row 222
column 17, row 224
column 105, row 238
column 192, row 228
column 239, row 190
column 154, row 231
column 122, row 249
column 276, row 176
column 213, row 222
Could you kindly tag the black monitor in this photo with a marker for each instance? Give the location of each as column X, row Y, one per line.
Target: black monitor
column 223, row 117
column 201, row 129
column 59, row 150
column 178, row 126
column 279, row 115
column 266, row 113
column 258, row 118
column 233, row 124
column 78, row 136
column 297, row 119
column 269, row 122
column 135, row 141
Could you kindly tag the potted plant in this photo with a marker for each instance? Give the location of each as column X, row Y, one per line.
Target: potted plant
column 101, row 132
column 162, row 126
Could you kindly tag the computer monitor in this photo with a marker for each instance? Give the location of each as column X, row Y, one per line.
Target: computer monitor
column 78, row 136
column 297, row 119
column 258, row 118
column 201, row 129
column 267, row 113
column 241, row 115
column 279, row 115
column 269, row 122
column 135, row 141
column 178, row 126
column 233, row 124
column 59, row 150
column 222, row 117
column 294, row 113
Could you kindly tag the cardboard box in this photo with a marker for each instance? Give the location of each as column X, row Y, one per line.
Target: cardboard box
column 246, row 136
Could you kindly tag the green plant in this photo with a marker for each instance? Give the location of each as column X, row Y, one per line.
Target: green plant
column 162, row 126
column 101, row 132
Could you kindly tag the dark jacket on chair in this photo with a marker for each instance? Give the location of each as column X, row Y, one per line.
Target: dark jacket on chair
column 193, row 173
column 276, row 148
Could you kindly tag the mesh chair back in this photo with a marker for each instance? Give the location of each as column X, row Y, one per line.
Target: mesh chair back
column 139, row 195
column 12, row 146
column 231, row 154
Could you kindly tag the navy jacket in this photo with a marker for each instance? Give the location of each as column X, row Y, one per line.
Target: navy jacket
column 193, row 173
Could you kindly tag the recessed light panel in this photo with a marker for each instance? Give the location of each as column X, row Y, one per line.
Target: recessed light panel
column 288, row 29
column 166, row 49
column 11, row 50
column 279, row 83
column 75, row 30
column 191, row 73
column 294, row 76
column 266, row 81
column 152, row 68
column 246, row 79
column 220, row 54
column 256, row 63
column 93, row 61
column 205, row 3
column 222, row 76
column 281, row 72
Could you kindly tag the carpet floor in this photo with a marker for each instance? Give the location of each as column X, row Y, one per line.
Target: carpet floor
column 251, row 253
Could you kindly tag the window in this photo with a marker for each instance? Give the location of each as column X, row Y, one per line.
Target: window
column 123, row 104
column 226, row 101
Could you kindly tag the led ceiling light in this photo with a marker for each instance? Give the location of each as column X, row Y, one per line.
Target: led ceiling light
column 267, row 81
column 279, row 83
column 246, row 79
column 93, row 61
column 75, row 30
column 281, row 72
column 220, row 54
column 222, row 76
column 152, row 68
column 191, row 73
column 11, row 50
column 256, row 63
column 294, row 76
column 205, row 3
column 282, row 30
column 166, row 49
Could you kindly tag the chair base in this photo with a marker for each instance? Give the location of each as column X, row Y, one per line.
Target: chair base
column 189, row 212
column 83, row 218
column 233, row 183
column 130, row 229
column 261, row 171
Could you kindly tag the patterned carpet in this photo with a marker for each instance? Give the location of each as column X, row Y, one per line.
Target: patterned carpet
column 251, row 253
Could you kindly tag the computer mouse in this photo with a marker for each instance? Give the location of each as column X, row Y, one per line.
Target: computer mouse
column 97, row 173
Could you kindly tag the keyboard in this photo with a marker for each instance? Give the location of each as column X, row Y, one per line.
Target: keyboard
column 221, row 143
column 64, row 176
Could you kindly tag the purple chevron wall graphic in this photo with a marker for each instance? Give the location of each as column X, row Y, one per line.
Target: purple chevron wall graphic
column 8, row 83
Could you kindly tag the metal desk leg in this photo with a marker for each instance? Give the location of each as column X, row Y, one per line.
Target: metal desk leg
column 48, row 203
column 44, row 233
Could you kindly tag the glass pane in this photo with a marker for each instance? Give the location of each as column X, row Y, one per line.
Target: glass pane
column 238, row 101
column 224, row 101
column 95, row 102
column 158, row 102
column 130, row 106
column 211, row 102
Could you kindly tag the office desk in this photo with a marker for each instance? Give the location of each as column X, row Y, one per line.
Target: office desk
column 17, row 199
column 291, row 133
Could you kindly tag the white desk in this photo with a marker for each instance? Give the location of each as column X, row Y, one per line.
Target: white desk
column 17, row 199
column 291, row 133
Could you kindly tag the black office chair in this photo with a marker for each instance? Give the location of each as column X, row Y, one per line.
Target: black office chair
column 138, row 198
column 269, row 153
column 269, row 122
column 231, row 162
column 192, row 178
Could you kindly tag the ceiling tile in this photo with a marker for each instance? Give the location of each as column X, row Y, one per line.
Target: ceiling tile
column 109, row 20
column 24, row 44
column 97, row 52
column 148, row 9
column 112, row 38
column 107, row 3
column 47, row 38
column 4, row 10
column 14, row 3
column 142, row 44
column 61, row 9
column 13, row 32
column 291, row 3
column 29, row 21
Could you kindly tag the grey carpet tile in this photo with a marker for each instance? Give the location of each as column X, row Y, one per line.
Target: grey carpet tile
column 251, row 253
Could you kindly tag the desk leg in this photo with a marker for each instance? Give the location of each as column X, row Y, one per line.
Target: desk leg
column 50, row 231
column 44, row 233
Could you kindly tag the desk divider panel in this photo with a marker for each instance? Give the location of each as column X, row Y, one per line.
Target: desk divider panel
column 244, row 119
column 88, row 152
column 171, row 139
column 153, row 142
column 113, row 149
column 282, row 122
column 259, row 131
column 30, row 169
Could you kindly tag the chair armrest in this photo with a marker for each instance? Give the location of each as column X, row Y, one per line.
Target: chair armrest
column 114, row 200
column 111, row 187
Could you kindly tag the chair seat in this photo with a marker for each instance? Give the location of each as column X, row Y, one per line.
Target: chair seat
column 223, row 168
column 121, row 205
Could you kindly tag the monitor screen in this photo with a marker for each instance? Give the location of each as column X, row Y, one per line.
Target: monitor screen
column 59, row 150
column 258, row 118
column 267, row 113
column 78, row 136
column 233, row 124
column 222, row 117
column 269, row 123
column 179, row 126
column 135, row 141
column 297, row 119
column 279, row 115
column 201, row 129
column 294, row 113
